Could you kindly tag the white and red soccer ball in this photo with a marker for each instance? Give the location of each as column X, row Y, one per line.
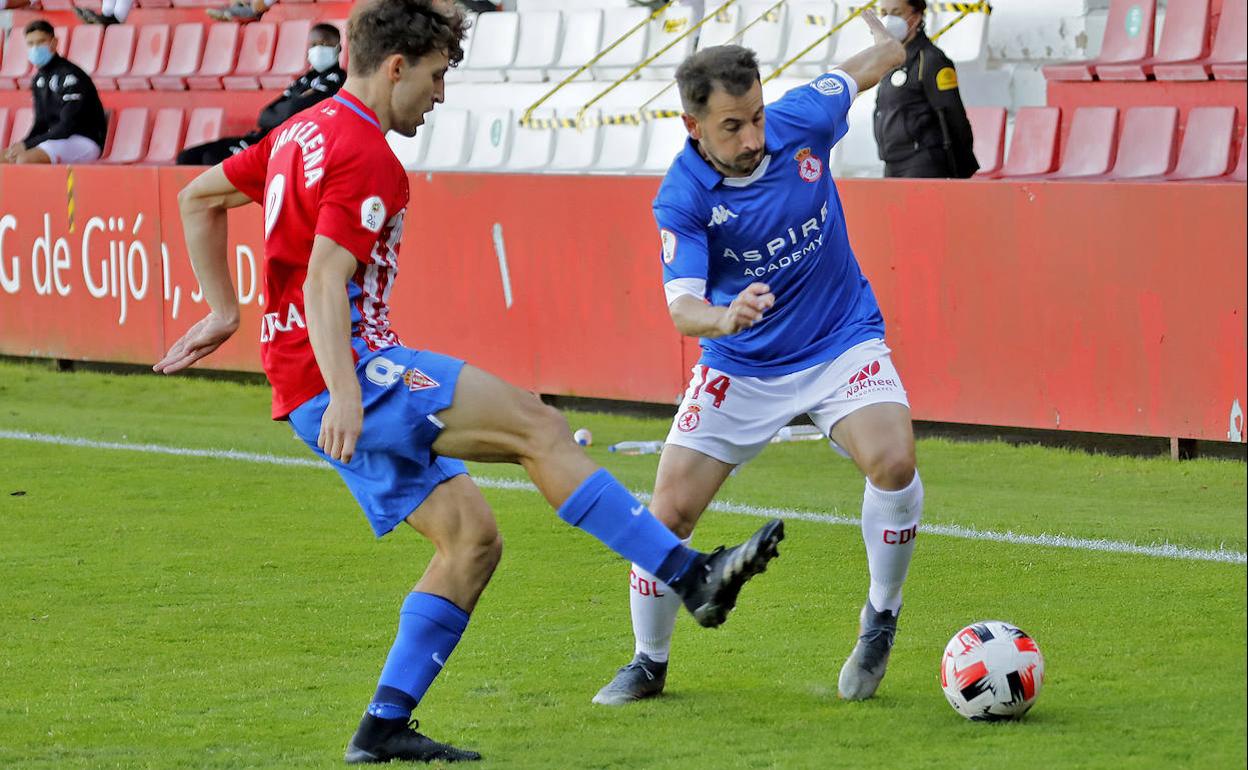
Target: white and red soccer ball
column 991, row 671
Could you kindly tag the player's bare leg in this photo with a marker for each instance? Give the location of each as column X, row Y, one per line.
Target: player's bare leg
column 467, row 546
column 492, row 421
column 687, row 481
column 880, row 439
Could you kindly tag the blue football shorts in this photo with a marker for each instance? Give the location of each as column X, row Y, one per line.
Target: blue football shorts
column 393, row 469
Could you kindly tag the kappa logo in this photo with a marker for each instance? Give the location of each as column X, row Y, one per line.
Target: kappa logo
column 809, row 167
column 719, row 215
column 689, row 420
column 415, row 380
column 870, row 370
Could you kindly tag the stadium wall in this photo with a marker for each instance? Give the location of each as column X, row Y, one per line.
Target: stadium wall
column 1109, row 308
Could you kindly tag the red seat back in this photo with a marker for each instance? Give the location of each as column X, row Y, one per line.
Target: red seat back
column 14, row 63
column 1090, row 144
column 220, row 50
column 151, row 50
column 130, row 137
column 166, row 139
column 1185, row 35
column 84, row 46
column 23, row 119
column 1207, row 143
column 1129, row 31
column 1033, row 148
column 4, row 127
column 1146, row 142
column 290, row 60
column 1240, row 174
column 186, row 50
column 255, row 54
column 1231, row 42
column 116, row 54
column 203, row 126
column 988, row 128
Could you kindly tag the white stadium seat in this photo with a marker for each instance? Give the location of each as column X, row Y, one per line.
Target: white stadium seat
column 411, row 150
column 494, row 47
column 524, row 6
column 623, row 147
column 616, row 22
column 721, row 28
column 494, row 129
column 766, row 36
column 856, row 154
column 457, row 73
column 582, row 39
column 538, row 47
column 807, row 23
column 966, row 43
column 774, row 89
column 576, row 149
column 854, row 36
column 531, row 147
column 448, row 141
column 664, row 31
column 665, row 139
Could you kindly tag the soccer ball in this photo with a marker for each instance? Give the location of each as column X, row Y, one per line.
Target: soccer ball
column 991, row 671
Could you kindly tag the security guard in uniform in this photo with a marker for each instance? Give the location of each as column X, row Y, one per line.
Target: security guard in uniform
column 921, row 127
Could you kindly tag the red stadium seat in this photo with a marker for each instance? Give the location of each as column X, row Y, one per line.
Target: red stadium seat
column 151, row 54
column 1240, row 174
column 198, row 3
column 129, row 136
column 166, row 139
column 1146, row 143
column 220, row 57
column 1090, row 143
column 84, row 46
column 1185, row 37
column 1033, row 149
column 1128, row 38
column 204, row 125
column 1228, row 59
column 13, row 62
column 116, row 56
column 23, row 119
column 291, row 57
column 185, row 52
column 988, row 128
column 1207, row 144
column 4, row 127
column 255, row 56
column 154, row 3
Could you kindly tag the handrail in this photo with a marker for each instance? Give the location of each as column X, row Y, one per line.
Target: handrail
column 524, row 120
column 835, row 28
column 966, row 10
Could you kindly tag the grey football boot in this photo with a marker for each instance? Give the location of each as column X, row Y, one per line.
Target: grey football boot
column 641, row 678
column 861, row 674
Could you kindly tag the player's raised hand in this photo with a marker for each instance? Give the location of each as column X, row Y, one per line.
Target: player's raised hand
column 200, row 340
column 340, row 427
column 747, row 309
column 879, row 33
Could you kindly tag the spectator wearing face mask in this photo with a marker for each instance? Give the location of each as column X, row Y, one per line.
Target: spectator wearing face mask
column 69, row 125
column 322, row 81
column 921, row 127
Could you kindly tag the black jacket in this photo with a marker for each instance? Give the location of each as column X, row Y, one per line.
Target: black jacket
column 308, row 90
column 918, row 109
column 66, row 103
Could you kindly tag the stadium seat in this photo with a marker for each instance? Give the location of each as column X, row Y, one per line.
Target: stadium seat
column 1226, row 60
column 538, row 47
column 721, row 28
column 1240, row 174
column 1033, row 146
column 576, row 149
column 857, row 153
column 23, row 119
column 255, row 56
column 531, row 148
column 854, row 36
column 807, row 23
column 185, row 52
column 13, row 62
column 128, row 143
column 966, row 42
column 665, row 139
column 456, row 73
column 666, row 32
column 1207, row 144
column 410, row 150
column 4, row 127
column 616, row 23
column 151, row 54
column 116, row 56
column 582, row 37
column 1129, row 30
column 1184, row 38
column 84, row 46
column 166, row 139
column 988, row 128
column 448, row 140
column 493, row 47
column 220, row 56
column 204, row 125
column 1090, row 143
column 623, row 146
column 290, row 57
column 491, row 139
column 766, row 35
column 1146, row 143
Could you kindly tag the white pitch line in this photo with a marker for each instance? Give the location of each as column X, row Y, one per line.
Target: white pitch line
column 1163, row 550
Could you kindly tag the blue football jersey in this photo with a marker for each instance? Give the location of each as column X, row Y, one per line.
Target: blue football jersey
column 782, row 226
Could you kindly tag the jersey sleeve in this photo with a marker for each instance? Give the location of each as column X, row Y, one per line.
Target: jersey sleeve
column 821, row 105
column 684, row 249
column 248, row 170
column 352, row 206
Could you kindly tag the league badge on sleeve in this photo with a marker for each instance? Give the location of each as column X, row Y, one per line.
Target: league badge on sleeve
column 828, row 85
column 372, row 214
column 669, row 245
column 809, row 167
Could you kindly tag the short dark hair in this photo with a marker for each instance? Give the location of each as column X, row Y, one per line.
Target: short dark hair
column 918, row 6
column 330, row 31
column 413, row 28
column 39, row 25
column 730, row 67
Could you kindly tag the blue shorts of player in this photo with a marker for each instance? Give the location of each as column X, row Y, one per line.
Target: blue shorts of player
column 394, row 469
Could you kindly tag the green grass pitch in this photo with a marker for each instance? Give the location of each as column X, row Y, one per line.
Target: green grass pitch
column 186, row 612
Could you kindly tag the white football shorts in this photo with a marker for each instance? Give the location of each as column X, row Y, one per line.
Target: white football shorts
column 72, row 149
column 732, row 418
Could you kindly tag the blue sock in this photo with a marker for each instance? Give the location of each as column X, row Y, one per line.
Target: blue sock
column 429, row 629
column 602, row 507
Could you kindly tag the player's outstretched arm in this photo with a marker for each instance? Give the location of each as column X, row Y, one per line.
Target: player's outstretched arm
column 869, row 66
column 203, row 204
column 695, row 318
column 329, row 330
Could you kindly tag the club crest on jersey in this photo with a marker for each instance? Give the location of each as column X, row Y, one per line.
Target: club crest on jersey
column 415, row 379
column 373, row 214
column 809, row 167
column 689, row 419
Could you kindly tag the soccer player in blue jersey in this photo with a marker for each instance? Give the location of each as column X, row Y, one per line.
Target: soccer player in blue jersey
column 757, row 263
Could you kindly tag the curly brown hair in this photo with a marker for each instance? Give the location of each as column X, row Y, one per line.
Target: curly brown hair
column 412, row 28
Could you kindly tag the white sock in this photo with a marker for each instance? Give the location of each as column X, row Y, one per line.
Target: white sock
column 654, row 607
column 118, row 9
column 890, row 524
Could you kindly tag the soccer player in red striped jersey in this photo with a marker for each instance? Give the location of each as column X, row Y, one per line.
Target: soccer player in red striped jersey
column 397, row 422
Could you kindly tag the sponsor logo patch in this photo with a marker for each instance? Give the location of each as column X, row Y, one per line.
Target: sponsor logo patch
column 865, row 380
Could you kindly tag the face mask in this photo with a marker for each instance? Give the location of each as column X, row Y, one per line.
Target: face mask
column 322, row 57
column 896, row 26
column 39, row 55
